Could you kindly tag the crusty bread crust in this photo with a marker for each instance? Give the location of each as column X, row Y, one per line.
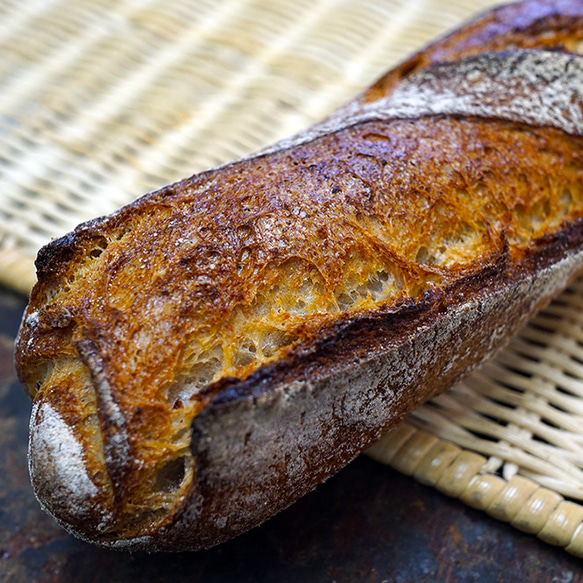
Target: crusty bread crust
column 209, row 353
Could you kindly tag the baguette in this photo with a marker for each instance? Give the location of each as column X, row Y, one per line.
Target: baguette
column 204, row 356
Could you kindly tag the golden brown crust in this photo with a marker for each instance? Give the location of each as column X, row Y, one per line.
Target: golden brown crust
column 280, row 312
column 551, row 24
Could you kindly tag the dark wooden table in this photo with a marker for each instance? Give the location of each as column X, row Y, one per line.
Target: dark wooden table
column 368, row 523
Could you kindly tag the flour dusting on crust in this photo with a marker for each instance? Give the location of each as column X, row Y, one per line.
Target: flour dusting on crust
column 540, row 88
column 57, row 458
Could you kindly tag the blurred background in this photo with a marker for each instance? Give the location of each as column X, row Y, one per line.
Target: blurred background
column 104, row 100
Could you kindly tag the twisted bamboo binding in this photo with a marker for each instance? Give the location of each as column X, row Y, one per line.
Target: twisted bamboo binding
column 509, row 439
column 102, row 101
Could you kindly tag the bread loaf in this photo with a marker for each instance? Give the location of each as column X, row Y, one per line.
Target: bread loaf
column 209, row 353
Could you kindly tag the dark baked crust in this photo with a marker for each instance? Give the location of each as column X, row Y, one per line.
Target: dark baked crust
column 212, row 351
column 551, row 24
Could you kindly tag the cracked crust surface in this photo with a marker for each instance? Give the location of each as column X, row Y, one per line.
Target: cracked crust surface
column 212, row 351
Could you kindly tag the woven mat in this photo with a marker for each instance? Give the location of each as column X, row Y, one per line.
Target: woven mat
column 103, row 100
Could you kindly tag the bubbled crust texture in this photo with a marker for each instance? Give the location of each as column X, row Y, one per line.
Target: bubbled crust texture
column 549, row 24
column 232, row 299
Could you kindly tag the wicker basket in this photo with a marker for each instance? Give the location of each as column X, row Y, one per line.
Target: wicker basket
column 103, row 100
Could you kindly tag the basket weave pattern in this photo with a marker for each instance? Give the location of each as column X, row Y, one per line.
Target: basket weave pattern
column 509, row 439
column 103, row 100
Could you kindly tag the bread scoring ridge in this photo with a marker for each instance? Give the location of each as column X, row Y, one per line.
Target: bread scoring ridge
column 535, row 24
column 470, row 331
column 540, row 88
column 175, row 335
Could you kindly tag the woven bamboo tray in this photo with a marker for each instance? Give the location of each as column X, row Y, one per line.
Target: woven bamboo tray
column 103, row 100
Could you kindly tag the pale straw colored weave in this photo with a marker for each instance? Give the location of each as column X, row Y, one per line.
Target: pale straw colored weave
column 509, row 439
column 103, row 100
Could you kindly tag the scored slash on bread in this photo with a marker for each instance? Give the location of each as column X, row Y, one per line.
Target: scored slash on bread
column 209, row 353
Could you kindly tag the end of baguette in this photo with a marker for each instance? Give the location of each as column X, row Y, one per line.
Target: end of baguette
column 63, row 480
column 76, row 483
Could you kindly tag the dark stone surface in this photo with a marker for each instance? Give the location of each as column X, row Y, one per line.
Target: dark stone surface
column 367, row 524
